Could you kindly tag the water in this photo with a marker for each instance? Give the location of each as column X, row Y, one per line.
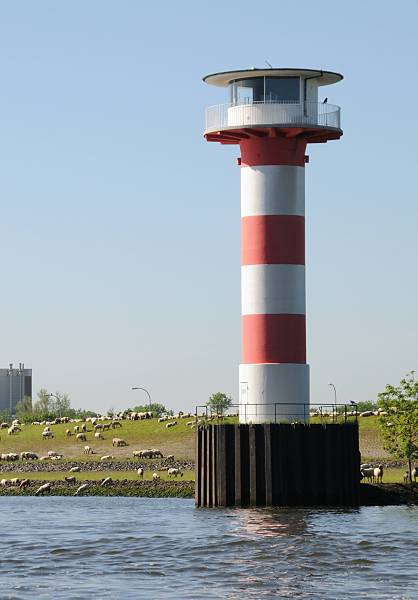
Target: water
column 127, row 548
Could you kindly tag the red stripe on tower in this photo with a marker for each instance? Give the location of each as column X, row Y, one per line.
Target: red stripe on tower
column 273, row 239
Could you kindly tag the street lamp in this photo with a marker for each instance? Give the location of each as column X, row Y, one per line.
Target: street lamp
column 146, row 391
column 335, row 394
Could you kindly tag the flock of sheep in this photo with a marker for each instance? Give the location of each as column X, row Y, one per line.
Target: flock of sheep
column 79, row 430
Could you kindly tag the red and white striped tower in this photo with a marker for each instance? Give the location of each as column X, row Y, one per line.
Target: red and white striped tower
column 273, row 114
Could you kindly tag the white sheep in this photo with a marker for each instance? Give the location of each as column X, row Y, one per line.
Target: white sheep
column 378, row 474
column 106, row 481
column 155, row 477
column 140, row 472
column 414, row 473
column 47, row 434
column 81, row 489
column 75, row 470
column 68, row 432
column 172, row 424
column 118, row 442
column 70, row 479
column 174, row 472
column 46, row 487
column 88, row 450
column 98, row 436
column 81, row 437
column 107, row 457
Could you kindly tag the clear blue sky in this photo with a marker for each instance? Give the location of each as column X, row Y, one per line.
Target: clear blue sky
column 119, row 228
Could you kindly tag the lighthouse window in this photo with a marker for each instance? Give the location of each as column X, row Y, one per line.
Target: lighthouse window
column 282, row 89
column 246, row 91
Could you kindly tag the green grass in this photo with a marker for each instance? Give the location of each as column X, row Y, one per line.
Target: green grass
column 178, row 440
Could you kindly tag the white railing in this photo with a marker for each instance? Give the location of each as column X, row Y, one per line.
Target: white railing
column 277, row 114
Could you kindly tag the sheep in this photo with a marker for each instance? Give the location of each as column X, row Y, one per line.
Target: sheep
column 88, row 450
column 76, row 429
column 106, row 481
column 169, row 457
column 115, row 424
column 84, row 428
column 140, row 472
column 172, row 424
column 378, row 474
column 12, row 430
column 10, row 456
column 107, row 457
column 47, row 435
column 157, row 454
column 106, row 426
column 14, row 481
column 81, row 489
column 57, row 457
column 81, row 437
column 52, row 453
column 162, row 419
column 46, row 487
column 98, row 436
column 174, row 472
column 28, row 456
column 47, row 429
column 75, row 470
column 137, row 454
column 3, row 482
column 156, row 477
column 118, row 442
column 414, row 473
column 68, row 432
column 190, row 423
column 24, row 484
column 4, row 425
column 406, row 477
column 368, row 474
column 70, row 479
column 98, row 426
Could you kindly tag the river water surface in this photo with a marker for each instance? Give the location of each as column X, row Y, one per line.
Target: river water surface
column 125, row 548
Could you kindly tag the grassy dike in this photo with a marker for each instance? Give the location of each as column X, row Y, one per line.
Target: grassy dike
column 178, row 441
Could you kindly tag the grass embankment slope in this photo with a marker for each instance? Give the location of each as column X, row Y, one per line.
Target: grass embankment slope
column 139, row 435
column 177, row 440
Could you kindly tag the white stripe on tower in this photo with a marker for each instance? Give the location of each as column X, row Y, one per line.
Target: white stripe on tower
column 273, row 368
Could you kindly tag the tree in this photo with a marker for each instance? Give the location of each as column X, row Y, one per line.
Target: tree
column 60, row 404
column 43, row 403
column 399, row 428
column 219, row 402
column 156, row 409
column 24, row 406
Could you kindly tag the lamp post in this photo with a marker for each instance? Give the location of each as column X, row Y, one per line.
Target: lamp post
column 147, row 392
column 335, row 396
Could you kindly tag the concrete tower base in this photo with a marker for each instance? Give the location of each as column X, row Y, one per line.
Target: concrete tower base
column 274, row 393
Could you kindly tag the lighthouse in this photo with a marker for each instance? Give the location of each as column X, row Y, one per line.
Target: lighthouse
column 273, row 114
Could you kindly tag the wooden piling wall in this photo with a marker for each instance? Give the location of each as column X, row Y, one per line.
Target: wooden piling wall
column 277, row 465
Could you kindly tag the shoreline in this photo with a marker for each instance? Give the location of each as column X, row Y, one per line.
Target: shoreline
column 386, row 494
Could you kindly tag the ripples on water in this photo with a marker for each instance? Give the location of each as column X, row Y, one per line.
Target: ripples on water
column 147, row 548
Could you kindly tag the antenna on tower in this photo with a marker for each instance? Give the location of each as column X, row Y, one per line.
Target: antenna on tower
column 267, row 63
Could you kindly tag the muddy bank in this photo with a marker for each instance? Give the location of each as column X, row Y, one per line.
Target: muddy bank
column 387, row 494
column 124, row 487
column 53, row 466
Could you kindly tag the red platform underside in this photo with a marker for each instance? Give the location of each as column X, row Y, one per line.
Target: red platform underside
column 311, row 135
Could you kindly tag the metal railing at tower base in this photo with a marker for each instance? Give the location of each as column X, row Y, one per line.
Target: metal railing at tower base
column 278, row 412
